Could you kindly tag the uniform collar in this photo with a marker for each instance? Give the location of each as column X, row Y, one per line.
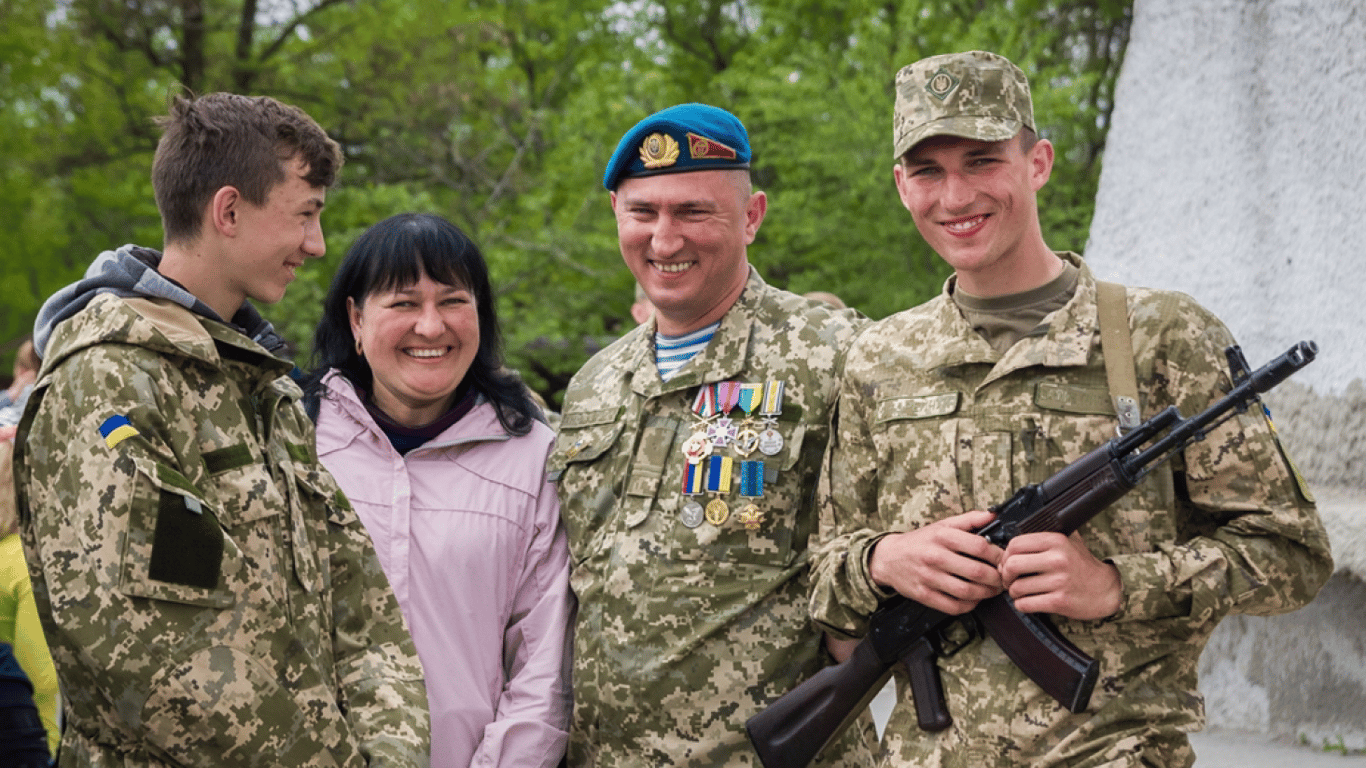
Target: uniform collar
column 724, row 357
column 1066, row 342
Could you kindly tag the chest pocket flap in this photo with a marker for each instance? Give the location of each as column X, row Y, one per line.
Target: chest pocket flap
column 584, row 437
column 915, row 407
column 244, row 488
column 1055, row 396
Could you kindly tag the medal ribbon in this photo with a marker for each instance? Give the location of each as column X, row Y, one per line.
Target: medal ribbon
column 704, row 405
column 727, row 395
column 773, row 399
column 750, row 395
column 752, row 479
column 692, row 479
column 719, row 469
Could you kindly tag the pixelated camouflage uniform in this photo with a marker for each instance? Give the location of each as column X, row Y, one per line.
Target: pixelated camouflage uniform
column 933, row 423
column 210, row 596
column 683, row 633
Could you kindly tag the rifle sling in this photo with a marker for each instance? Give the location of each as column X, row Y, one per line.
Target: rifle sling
column 1117, row 347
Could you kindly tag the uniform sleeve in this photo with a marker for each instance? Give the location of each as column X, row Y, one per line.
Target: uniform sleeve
column 378, row 668
column 530, row 728
column 379, row 672
column 1254, row 540
column 132, row 568
column 842, row 593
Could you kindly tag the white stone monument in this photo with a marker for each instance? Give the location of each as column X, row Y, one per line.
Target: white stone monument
column 1235, row 171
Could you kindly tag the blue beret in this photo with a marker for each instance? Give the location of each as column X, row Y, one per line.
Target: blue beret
column 687, row 137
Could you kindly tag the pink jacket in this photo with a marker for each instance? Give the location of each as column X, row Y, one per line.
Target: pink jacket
column 468, row 531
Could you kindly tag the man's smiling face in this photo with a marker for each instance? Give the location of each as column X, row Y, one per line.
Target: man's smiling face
column 683, row 236
column 973, row 201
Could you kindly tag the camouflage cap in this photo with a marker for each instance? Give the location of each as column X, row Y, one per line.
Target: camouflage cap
column 975, row 95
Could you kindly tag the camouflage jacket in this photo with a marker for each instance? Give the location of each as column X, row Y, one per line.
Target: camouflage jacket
column 684, row 632
column 933, row 423
column 210, row 596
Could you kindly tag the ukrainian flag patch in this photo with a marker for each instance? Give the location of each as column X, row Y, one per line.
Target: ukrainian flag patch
column 116, row 429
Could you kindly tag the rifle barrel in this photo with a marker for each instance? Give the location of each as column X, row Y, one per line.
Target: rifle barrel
column 1238, row 398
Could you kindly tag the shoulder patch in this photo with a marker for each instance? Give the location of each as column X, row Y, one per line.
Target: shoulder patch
column 1301, row 484
column 116, row 429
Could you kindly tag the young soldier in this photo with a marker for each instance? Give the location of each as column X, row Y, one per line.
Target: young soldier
column 210, row 597
column 948, row 407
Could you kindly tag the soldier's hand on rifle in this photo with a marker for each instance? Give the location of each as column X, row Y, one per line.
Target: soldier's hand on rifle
column 1053, row 573
column 942, row 565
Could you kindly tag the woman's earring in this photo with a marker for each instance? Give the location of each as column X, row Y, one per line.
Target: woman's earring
column 359, row 351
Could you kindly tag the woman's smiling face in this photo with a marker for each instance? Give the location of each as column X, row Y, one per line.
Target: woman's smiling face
column 419, row 341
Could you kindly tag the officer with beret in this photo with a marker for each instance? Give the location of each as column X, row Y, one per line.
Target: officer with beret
column 1002, row 380
column 686, row 463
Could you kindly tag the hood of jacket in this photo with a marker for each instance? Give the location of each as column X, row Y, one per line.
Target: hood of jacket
column 130, row 272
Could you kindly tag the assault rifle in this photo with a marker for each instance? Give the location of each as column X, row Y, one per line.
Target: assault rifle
column 794, row 728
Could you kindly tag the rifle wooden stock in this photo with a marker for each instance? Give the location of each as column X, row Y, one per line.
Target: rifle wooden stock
column 796, row 727
column 793, row 729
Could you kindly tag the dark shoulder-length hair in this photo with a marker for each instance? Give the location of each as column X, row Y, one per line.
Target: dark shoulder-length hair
column 393, row 254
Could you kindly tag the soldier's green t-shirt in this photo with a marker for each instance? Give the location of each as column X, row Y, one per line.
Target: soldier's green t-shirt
column 1004, row 320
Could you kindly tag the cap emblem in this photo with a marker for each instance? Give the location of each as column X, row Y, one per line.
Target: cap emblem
column 703, row 148
column 659, row 150
column 942, row 84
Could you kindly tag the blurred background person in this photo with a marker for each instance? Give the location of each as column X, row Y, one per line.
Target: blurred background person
column 440, row 451
column 21, row 733
column 19, row 624
column 641, row 308
column 13, row 397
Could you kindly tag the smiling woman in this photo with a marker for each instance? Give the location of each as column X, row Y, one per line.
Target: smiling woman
column 419, row 340
column 440, row 450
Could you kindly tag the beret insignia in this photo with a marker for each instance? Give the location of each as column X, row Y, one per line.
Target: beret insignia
column 703, row 148
column 659, row 150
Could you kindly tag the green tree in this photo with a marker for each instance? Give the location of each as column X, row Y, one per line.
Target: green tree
column 501, row 117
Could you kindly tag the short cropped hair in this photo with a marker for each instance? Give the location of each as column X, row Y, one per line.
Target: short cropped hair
column 223, row 139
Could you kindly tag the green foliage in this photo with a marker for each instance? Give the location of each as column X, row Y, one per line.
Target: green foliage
column 501, row 115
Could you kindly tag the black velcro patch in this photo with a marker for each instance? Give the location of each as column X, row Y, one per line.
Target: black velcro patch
column 224, row 459
column 187, row 547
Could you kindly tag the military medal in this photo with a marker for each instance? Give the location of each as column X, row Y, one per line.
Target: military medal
column 746, row 441
column 696, row 448
column 719, row 470
column 699, row 446
column 724, row 431
column 771, row 440
column 692, row 514
column 748, row 438
column 751, row 487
